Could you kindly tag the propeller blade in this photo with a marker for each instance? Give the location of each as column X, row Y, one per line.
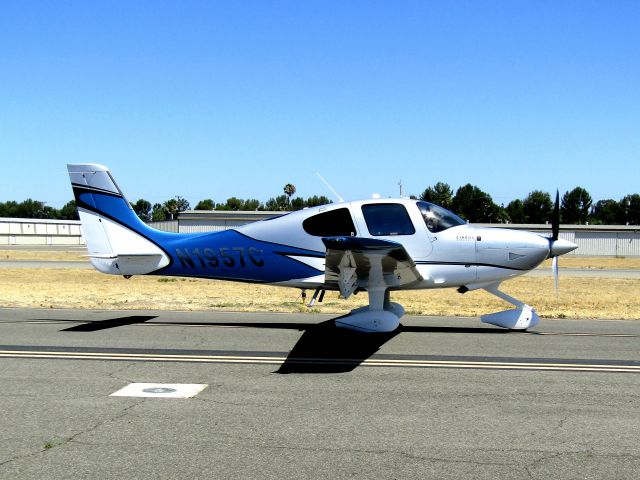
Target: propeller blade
column 554, row 267
column 555, row 219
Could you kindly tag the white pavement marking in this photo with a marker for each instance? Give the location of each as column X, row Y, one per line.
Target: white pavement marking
column 371, row 362
column 163, row 390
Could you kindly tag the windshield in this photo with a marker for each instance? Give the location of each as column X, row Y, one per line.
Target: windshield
column 437, row 218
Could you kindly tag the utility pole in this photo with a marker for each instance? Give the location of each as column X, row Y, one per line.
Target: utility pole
column 400, row 185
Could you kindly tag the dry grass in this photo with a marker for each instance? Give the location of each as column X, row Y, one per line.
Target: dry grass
column 600, row 263
column 580, row 297
column 60, row 288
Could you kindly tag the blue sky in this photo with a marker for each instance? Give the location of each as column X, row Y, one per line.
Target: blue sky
column 213, row 99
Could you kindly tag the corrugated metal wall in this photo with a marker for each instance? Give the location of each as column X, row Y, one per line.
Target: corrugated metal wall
column 619, row 244
column 189, row 226
column 165, row 226
column 628, row 244
column 591, row 243
column 18, row 231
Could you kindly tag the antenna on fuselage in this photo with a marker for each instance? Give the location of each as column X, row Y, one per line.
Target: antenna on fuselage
column 340, row 199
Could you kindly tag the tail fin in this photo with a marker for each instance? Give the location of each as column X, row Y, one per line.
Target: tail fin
column 119, row 243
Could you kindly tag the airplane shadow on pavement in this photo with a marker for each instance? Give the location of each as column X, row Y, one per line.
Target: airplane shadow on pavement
column 97, row 325
column 325, row 348
column 322, row 348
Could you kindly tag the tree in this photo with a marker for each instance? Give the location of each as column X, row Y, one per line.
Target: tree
column 537, row 207
column 440, row 194
column 279, row 203
column 630, row 206
column 170, row 208
column 31, row 209
column 501, row 215
column 7, row 209
column 182, row 203
column 474, row 205
column 316, row 201
column 206, row 204
column 69, row 211
column 515, row 211
column 158, row 213
column 606, row 212
column 297, row 203
column 143, row 209
column 575, row 206
column 252, row 204
column 232, row 203
column 289, row 190
column 174, row 206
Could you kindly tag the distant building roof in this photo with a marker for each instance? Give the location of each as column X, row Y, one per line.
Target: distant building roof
column 248, row 216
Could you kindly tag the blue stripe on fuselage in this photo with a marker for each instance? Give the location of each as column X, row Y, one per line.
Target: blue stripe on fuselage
column 225, row 255
column 231, row 255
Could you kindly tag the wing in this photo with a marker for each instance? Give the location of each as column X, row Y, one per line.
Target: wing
column 357, row 262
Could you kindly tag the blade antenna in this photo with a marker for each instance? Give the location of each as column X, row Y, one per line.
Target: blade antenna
column 340, row 199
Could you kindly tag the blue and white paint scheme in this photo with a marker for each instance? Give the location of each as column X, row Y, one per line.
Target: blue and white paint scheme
column 377, row 246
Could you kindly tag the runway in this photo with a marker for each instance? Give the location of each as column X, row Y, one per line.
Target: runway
column 292, row 396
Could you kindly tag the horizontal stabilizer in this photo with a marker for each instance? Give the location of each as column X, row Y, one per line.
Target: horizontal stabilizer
column 124, row 264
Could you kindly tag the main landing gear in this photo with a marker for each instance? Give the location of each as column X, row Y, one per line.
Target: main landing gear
column 381, row 315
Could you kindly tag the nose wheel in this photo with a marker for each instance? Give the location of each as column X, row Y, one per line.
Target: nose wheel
column 520, row 318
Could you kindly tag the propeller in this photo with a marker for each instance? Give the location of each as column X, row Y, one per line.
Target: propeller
column 555, row 219
column 555, row 232
column 557, row 246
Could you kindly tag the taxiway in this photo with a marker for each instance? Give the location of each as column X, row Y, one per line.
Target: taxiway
column 291, row 396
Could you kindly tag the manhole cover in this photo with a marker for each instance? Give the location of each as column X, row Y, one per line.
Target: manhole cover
column 159, row 390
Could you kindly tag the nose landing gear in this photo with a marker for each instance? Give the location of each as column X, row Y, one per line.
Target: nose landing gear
column 520, row 318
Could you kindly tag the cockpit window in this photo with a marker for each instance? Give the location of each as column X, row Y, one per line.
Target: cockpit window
column 385, row 219
column 334, row 223
column 437, row 218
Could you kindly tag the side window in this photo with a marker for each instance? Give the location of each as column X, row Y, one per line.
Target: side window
column 334, row 223
column 384, row 219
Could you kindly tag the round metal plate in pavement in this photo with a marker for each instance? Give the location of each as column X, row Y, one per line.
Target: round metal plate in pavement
column 159, row 390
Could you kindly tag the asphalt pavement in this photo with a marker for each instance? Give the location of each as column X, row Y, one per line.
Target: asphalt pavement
column 291, row 396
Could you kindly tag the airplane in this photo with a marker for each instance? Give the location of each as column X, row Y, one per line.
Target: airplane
column 376, row 245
